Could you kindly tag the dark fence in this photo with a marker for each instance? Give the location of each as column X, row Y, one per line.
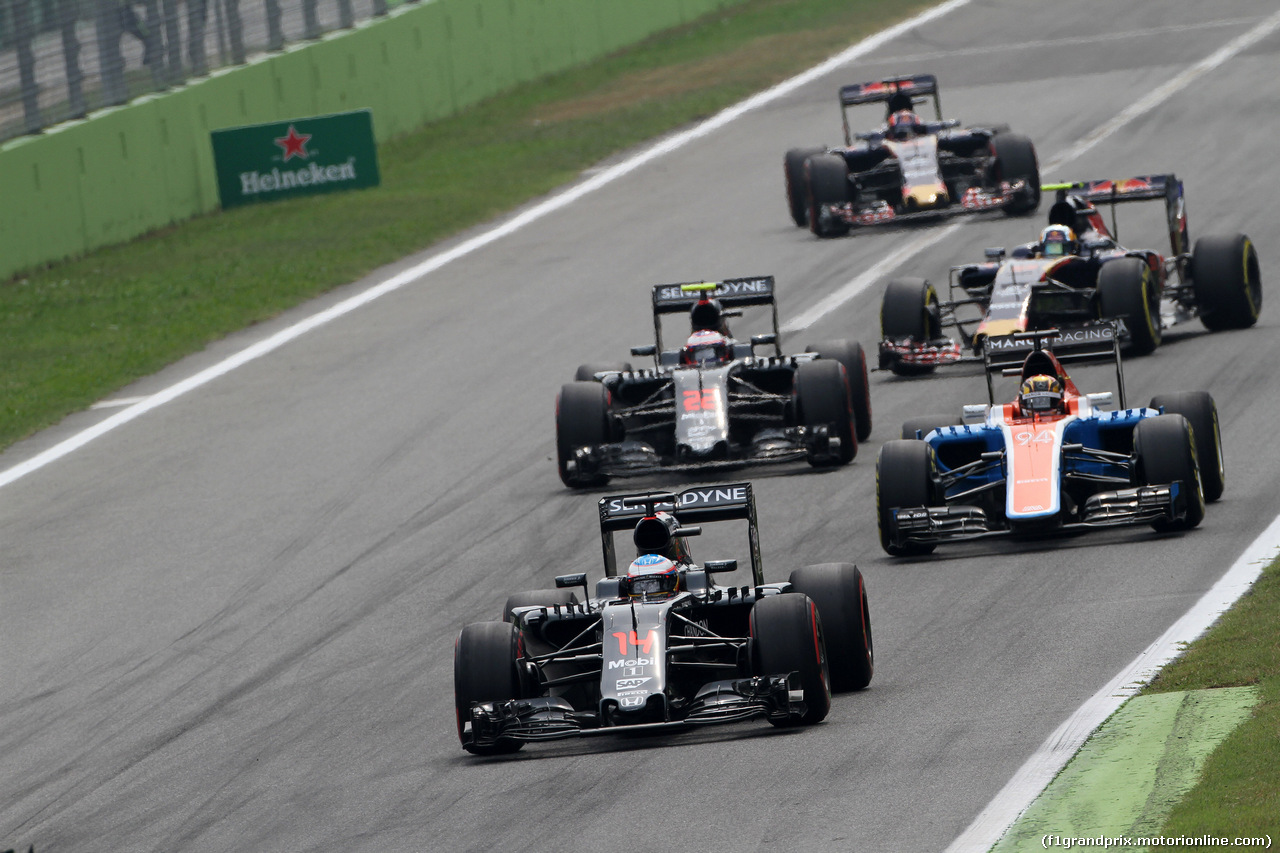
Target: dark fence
column 60, row 59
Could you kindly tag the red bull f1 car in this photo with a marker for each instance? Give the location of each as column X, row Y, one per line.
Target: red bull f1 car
column 716, row 401
column 1052, row 461
column 661, row 644
column 908, row 168
column 1095, row 278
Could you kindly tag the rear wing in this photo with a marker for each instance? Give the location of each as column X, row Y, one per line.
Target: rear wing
column 698, row 505
column 730, row 293
column 917, row 88
column 1092, row 342
column 1115, row 192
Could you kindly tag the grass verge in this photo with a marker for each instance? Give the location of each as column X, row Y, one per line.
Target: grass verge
column 1239, row 791
column 73, row 333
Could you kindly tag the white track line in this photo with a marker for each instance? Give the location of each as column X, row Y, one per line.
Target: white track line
column 1135, row 110
column 1039, row 770
column 539, row 211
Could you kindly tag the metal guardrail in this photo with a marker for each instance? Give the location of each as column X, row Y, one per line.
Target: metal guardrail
column 61, row 59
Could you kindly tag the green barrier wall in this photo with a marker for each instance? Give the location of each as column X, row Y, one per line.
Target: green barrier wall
column 132, row 169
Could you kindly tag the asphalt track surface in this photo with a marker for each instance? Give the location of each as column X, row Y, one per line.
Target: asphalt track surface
column 228, row 625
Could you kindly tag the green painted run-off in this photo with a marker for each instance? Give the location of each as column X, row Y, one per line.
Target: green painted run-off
column 1132, row 771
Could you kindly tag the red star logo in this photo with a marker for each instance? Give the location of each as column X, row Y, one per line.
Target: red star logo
column 294, row 143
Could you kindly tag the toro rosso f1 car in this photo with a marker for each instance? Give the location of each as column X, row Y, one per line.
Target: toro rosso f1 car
column 714, row 401
column 908, row 168
column 1076, row 273
column 661, row 644
column 1050, row 461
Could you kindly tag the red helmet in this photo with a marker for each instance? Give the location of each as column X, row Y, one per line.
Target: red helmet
column 904, row 124
column 706, row 347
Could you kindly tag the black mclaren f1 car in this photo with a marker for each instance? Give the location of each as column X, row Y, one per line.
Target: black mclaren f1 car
column 908, row 168
column 1092, row 277
column 713, row 401
column 661, row 645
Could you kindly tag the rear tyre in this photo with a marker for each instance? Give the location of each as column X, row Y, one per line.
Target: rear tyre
column 485, row 670
column 822, row 399
column 587, row 372
column 926, row 424
column 793, row 170
column 910, row 309
column 787, row 634
column 1201, row 412
column 841, row 595
column 1016, row 160
column 854, row 359
column 1127, row 291
column 582, row 420
column 1166, row 453
column 904, row 478
column 826, row 178
column 537, row 598
column 1227, row 281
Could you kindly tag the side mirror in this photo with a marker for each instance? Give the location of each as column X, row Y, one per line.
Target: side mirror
column 974, row 413
column 1101, row 399
column 763, row 340
column 995, row 254
column 647, row 349
column 714, row 566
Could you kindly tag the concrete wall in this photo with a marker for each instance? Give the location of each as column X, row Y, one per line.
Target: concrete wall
column 132, row 169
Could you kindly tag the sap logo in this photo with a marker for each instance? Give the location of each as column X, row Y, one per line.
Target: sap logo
column 632, row 702
column 628, row 683
column 736, row 494
column 618, row 664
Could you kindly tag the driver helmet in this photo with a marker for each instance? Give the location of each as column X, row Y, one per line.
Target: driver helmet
column 904, row 124
column 1058, row 241
column 706, row 347
column 652, row 575
column 1040, row 393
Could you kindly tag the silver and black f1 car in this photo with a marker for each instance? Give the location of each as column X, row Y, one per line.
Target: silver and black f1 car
column 908, row 168
column 1218, row 282
column 662, row 645
column 1031, row 470
column 714, row 401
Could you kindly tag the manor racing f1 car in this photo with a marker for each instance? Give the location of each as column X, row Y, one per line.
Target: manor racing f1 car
column 908, row 168
column 1052, row 460
column 662, row 645
column 714, row 401
column 1096, row 278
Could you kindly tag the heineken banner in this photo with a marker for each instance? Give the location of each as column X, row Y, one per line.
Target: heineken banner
column 306, row 156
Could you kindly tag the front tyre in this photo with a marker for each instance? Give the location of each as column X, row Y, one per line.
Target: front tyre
column 910, row 309
column 904, row 479
column 1127, row 290
column 841, row 595
column 485, row 669
column 1166, row 454
column 1015, row 159
column 1202, row 413
column 582, row 420
column 823, row 400
column 826, row 178
column 787, row 637
column 1227, row 281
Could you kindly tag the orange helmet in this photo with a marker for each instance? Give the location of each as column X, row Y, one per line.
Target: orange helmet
column 1040, row 393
